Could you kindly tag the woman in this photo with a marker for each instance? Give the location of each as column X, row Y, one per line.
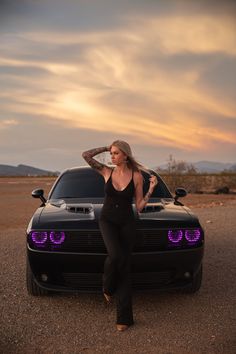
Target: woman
column 117, row 222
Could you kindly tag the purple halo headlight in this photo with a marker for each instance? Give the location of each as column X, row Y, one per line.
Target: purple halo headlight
column 39, row 237
column 57, row 237
column 175, row 236
column 192, row 236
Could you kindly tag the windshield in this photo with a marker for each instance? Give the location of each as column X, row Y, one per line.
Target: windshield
column 88, row 183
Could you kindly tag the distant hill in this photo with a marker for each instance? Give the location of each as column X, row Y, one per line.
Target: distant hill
column 24, row 170
column 209, row 166
column 233, row 167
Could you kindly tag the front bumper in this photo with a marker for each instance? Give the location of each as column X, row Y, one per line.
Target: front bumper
column 80, row 272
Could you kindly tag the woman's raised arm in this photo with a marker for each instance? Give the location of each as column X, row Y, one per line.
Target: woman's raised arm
column 88, row 156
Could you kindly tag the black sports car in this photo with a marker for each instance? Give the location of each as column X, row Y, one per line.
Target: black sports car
column 65, row 250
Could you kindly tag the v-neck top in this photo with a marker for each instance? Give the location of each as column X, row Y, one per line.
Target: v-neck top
column 110, row 178
column 118, row 203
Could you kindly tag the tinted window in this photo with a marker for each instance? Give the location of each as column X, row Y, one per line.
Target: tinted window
column 87, row 183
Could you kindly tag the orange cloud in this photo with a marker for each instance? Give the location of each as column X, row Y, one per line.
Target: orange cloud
column 83, row 91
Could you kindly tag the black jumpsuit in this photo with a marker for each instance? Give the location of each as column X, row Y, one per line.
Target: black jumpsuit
column 118, row 229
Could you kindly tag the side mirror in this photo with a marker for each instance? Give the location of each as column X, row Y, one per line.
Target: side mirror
column 38, row 193
column 180, row 193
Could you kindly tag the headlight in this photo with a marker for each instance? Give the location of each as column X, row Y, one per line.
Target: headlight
column 184, row 237
column 175, row 236
column 192, row 236
column 57, row 237
column 46, row 239
column 39, row 237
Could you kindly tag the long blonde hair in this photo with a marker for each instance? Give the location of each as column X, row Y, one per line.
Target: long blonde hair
column 132, row 163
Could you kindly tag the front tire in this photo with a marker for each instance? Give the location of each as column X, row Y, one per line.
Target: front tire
column 32, row 287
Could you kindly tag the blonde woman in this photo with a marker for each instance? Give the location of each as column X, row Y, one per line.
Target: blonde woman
column 117, row 222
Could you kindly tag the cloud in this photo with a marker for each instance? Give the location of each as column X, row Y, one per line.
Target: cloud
column 6, row 123
column 194, row 33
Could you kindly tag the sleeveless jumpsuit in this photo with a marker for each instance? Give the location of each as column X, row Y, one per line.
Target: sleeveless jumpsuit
column 118, row 229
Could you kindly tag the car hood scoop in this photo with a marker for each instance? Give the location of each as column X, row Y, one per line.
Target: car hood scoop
column 151, row 208
column 78, row 208
column 165, row 210
column 61, row 210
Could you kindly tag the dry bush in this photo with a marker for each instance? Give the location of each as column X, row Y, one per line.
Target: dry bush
column 195, row 183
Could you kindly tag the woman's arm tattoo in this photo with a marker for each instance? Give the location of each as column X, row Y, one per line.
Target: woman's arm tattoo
column 147, row 196
column 88, row 156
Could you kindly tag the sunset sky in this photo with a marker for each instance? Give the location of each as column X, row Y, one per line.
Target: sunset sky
column 78, row 74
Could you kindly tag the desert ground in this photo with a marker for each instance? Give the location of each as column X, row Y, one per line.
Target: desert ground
column 165, row 322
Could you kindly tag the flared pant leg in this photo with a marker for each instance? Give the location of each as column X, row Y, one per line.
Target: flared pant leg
column 110, row 234
column 119, row 240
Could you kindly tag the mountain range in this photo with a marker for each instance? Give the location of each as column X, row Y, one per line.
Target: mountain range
column 24, row 170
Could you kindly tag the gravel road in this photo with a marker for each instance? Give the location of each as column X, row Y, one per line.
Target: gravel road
column 165, row 322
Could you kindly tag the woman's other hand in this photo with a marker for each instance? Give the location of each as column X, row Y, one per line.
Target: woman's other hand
column 153, row 182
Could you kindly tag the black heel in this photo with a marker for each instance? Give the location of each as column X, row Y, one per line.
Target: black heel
column 107, row 297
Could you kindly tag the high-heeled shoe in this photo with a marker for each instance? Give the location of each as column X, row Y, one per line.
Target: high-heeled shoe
column 121, row 327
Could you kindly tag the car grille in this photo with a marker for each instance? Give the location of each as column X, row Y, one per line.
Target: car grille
column 140, row 281
column 91, row 241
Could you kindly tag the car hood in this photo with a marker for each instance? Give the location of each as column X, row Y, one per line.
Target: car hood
column 77, row 213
